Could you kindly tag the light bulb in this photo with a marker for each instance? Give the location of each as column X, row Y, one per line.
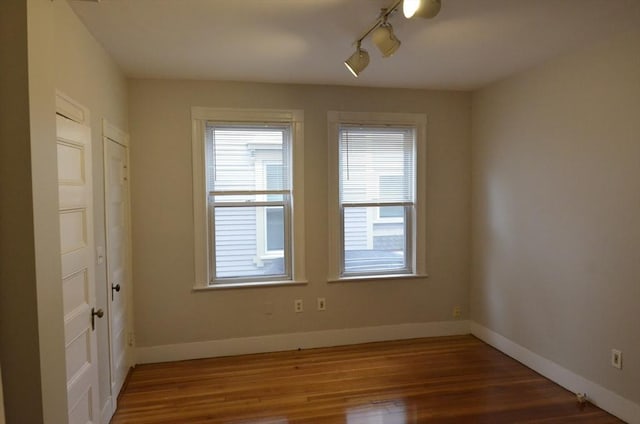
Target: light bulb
column 409, row 7
column 423, row 8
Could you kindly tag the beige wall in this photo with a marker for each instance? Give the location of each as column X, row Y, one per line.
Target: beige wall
column 44, row 182
column 556, row 211
column 86, row 73
column 31, row 324
column 166, row 309
column 19, row 350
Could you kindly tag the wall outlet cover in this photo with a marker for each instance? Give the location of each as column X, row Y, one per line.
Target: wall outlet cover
column 322, row 304
column 616, row 358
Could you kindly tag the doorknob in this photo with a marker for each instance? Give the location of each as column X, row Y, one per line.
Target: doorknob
column 99, row 313
column 115, row 287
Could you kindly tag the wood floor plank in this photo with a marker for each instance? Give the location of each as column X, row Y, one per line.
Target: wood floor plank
column 440, row 380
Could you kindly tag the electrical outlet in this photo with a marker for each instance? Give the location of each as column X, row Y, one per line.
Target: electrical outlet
column 322, row 304
column 297, row 305
column 457, row 312
column 131, row 339
column 268, row 308
column 616, row 358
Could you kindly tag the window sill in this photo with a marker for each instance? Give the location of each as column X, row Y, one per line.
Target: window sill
column 379, row 278
column 249, row 285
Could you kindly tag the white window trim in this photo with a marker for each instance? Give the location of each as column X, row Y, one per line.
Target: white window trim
column 200, row 116
column 419, row 121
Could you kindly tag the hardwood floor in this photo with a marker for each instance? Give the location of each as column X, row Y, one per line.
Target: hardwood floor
column 436, row 380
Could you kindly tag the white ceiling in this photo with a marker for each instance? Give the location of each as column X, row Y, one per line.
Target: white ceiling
column 469, row 44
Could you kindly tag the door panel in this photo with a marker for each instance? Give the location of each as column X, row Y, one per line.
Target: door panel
column 78, row 274
column 75, row 289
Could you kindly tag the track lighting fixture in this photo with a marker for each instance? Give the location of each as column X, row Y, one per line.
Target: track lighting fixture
column 384, row 38
column 382, row 32
column 357, row 61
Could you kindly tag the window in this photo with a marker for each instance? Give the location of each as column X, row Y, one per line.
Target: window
column 376, row 203
column 248, row 215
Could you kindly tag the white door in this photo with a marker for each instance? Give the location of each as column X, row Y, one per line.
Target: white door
column 117, row 219
column 78, row 278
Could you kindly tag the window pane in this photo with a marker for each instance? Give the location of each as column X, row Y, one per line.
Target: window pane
column 391, row 211
column 236, row 157
column 273, row 176
column 371, row 246
column 239, row 232
column 376, row 164
column 275, row 228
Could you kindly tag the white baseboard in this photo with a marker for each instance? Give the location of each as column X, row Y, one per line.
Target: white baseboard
column 598, row 395
column 107, row 411
column 292, row 341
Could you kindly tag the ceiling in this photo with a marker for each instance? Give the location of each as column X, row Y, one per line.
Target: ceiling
column 469, row 44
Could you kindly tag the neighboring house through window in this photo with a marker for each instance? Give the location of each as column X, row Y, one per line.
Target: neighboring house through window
column 387, row 183
column 274, row 216
column 244, row 197
column 376, row 195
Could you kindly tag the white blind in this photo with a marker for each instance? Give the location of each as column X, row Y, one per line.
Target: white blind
column 377, row 164
column 238, row 155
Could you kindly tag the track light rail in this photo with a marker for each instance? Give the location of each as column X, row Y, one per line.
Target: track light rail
column 381, row 19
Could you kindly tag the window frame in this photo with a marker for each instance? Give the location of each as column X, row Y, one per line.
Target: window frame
column 415, row 226
column 203, row 234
